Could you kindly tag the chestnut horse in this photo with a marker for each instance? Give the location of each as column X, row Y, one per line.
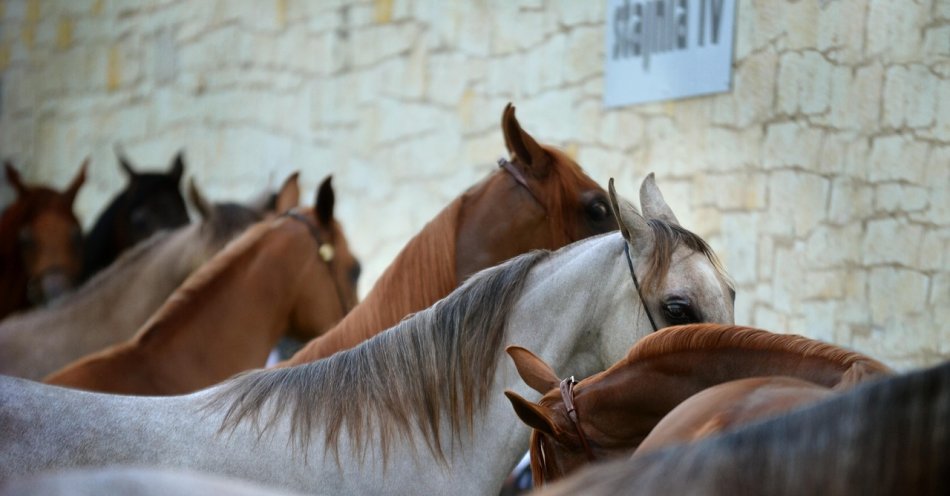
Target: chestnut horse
column 292, row 274
column 40, row 243
column 616, row 409
column 539, row 199
column 111, row 306
column 890, row 436
column 729, row 405
column 149, row 203
column 417, row 409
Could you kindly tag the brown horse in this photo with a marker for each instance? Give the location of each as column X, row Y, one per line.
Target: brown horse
column 729, row 405
column 40, row 243
column 539, row 199
column 618, row 408
column 890, row 436
column 113, row 305
column 289, row 274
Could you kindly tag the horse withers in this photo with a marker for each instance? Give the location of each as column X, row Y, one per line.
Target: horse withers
column 40, row 243
column 150, row 202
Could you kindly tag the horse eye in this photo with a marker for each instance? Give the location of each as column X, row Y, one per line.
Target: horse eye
column 679, row 312
column 598, row 210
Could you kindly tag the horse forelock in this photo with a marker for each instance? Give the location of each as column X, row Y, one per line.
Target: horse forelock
column 566, row 182
column 667, row 238
column 439, row 361
column 700, row 337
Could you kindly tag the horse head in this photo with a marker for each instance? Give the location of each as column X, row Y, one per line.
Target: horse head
column 151, row 201
column 334, row 269
column 42, row 237
column 538, row 199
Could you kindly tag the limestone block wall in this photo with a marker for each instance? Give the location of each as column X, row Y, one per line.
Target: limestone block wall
column 822, row 178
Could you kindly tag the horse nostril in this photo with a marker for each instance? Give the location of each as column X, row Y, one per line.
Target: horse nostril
column 48, row 286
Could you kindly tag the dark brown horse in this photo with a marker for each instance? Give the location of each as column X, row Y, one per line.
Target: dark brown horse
column 618, row 408
column 887, row 437
column 40, row 243
column 539, row 199
column 150, row 202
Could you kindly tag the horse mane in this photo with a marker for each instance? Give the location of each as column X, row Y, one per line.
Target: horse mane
column 440, row 360
column 700, row 337
column 190, row 292
column 666, row 238
column 127, row 259
column 430, row 252
column 571, row 178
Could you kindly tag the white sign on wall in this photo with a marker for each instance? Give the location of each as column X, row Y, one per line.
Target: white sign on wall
column 665, row 49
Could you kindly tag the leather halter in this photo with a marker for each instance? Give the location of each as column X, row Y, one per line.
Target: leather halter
column 519, row 178
column 567, row 385
column 325, row 250
column 567, row 395
column 636, row 284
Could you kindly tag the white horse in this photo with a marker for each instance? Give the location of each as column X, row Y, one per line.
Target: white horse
column 417, row 409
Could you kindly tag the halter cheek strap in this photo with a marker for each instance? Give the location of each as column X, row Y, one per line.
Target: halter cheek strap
column 324, row 249
column 636, row 284
column 518, row 177
column 567, row 395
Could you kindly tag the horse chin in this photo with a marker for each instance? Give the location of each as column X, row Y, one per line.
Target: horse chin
column 49, row 286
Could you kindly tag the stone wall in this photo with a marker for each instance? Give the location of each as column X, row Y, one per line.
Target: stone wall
column 822, row 179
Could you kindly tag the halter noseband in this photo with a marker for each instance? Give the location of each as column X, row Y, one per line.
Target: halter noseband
column 567, row 395
column 325, row 250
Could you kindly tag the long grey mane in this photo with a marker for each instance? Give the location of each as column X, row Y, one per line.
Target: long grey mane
column 439, row 360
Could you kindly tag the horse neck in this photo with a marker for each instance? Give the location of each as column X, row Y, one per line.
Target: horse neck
column 655, row 385
column 567, row 339
column 108, row 308
column 421, row 274
column 207, row 332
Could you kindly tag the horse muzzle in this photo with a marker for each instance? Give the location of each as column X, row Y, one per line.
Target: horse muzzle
column 48, row 286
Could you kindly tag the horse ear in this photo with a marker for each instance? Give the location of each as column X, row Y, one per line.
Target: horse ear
column 535, row 373
column 633, row 226
column 653, row 204
column 325, row 199
column 200, row 203
column 178, row 166
column 13, row 176
column 288, row 196
column 77, row 182
column 124, row 162
column 521, row 145
column 536, row 416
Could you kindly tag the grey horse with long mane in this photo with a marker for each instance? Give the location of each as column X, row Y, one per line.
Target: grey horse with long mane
column 417, row 409
column 887, row 437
